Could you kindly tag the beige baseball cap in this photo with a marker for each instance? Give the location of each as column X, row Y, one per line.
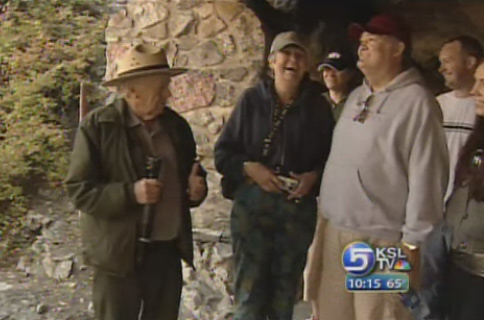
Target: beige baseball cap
column 289, row 38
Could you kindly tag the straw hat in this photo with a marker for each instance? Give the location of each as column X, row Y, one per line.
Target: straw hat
column 142, row 60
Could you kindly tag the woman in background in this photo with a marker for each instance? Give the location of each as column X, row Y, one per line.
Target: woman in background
column 465, row 216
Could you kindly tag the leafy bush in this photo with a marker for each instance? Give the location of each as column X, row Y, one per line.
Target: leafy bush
column 47, row 47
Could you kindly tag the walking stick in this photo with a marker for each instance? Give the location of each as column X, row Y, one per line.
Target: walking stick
column 83, row 110
column 153, row 167
column 83, row 106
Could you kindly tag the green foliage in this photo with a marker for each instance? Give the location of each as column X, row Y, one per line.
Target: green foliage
column 47, row 47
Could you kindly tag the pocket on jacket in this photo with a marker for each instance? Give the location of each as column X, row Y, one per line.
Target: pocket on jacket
column 109, row 245
column 387, row 191
column 343, row 198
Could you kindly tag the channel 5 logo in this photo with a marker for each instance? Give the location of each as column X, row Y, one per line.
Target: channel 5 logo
column 360, row 259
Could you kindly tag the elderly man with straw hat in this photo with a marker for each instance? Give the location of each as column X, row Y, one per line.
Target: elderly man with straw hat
column 107, row 182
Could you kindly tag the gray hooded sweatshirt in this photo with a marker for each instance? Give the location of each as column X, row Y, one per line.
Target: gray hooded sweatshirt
column 386, row 177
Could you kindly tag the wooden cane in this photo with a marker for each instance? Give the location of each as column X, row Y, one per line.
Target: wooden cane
column 83, row 109
column 83, row 105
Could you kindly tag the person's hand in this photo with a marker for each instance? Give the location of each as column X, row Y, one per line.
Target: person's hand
column 306, row 183
column 196, row 184
column 147, row 191
column 414, row 260
column 264, row 177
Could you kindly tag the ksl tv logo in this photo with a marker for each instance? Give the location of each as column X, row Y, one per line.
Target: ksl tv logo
column 360, row 259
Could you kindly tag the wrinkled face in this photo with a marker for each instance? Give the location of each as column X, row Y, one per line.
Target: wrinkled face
column 453, row 64
column 147, row 96
column 478, row 90
column 336, row 80
column 289, row 64
column 376, row 52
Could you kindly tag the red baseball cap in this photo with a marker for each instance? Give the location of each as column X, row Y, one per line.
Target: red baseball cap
column 383, row 24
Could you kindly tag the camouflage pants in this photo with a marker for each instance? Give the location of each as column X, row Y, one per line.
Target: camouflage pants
column 271, row 236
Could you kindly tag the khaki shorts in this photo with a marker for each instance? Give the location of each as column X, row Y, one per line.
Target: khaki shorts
column 334, row 302
column 314, row 265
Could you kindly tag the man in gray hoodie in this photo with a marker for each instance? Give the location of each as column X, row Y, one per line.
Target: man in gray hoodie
column 387, row 172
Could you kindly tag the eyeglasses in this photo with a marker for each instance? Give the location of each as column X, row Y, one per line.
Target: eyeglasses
column 364, row 111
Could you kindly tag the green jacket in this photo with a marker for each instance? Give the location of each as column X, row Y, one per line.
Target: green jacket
column 100, row 182
column 336, row 108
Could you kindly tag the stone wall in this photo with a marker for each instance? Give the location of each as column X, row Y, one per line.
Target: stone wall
column 434, row 22
column 221, row 42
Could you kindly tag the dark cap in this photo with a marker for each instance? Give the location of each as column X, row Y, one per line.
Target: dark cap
column 338, row 60
column 383, row 24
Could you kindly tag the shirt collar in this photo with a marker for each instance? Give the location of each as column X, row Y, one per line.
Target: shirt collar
column 132, row 120
column 334, row 104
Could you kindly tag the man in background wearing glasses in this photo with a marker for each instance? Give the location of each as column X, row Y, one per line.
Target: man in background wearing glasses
column 386, row 175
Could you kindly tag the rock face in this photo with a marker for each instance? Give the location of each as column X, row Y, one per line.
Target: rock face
column 192, row 91
column 206, row 55
column 207, row 292
column 51, row 253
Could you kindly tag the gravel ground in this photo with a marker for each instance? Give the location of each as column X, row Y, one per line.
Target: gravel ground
column 35, row 296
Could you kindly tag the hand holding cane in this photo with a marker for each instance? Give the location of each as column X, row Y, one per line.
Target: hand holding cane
column 153, row 168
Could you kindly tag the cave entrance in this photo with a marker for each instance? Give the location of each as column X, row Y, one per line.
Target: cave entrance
column 326, row 23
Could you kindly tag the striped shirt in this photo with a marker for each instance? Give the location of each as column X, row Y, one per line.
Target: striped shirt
column 459, row 117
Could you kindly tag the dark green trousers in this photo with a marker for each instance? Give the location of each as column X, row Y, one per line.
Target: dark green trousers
column 152, row 293
column 271, row 237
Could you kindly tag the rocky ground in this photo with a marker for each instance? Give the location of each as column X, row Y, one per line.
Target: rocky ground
column 47, row 280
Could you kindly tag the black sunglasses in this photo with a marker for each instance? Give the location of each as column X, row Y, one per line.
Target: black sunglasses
column 364, row 111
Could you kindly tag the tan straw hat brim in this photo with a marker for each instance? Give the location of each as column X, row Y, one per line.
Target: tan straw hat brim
column 136, row 74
